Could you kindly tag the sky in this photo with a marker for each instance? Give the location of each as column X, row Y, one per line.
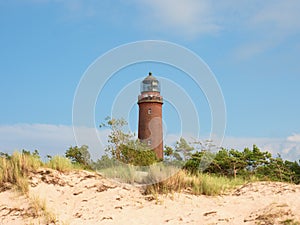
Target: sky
column 252, row 49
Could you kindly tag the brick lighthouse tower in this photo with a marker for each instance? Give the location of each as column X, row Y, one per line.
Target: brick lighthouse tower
column 150, row 115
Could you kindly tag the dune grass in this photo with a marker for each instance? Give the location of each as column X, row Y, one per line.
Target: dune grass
column 41, row 210
column 161, row 179
column 60, row 163
column 16, row 168
column 157, row 178
column 290, row 222
column 195, row 184
column 123, row 173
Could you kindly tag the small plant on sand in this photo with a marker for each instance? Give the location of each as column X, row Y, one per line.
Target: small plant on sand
column 290, row 222
column 41, row 210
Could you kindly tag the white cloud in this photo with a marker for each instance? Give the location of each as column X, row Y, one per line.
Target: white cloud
column 280, row 17
column 259, row 18
column 268, row 25
column 182, row 17
column 294, row 138
column 170, row 139
column 286, row 147
column 49, row 139
column 263, row 24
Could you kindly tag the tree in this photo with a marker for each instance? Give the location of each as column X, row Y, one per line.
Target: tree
column 295, row 167
column 237, row 161
column 182, row 147
column 278, row 170
column 124, row 147
column 168, row 152
column 225, row 162
column 256, row 158
column 79, row 155
column 171, row 154
column 203, row 158
column 117, row 137
column 193, row 164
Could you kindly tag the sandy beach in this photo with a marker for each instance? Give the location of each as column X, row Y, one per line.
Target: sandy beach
column 82, row 197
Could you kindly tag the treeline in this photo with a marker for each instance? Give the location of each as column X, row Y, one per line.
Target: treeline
column 246, row 163
column 204, row 157
column 197, row 156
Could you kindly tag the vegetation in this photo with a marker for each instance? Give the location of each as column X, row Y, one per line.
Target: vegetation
column 195, row 183
column 181, row 152
column 137, row 154
column 123, row 147
column 14, row 169
column 79, row 155
column 163, row 179
column 60, row 163
column 118, row 137
column 234, row 163
column 195, row 166
column 40, row 210
column 195, row 158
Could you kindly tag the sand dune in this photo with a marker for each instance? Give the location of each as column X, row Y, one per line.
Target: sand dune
column 82, row 197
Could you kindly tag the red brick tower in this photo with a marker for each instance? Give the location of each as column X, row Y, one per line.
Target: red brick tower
column 150, row 115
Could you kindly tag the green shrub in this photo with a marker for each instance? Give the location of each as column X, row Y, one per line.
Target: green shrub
column 79, row 156
column 137, row 155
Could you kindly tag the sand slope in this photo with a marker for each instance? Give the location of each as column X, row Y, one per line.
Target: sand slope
column 83, row 197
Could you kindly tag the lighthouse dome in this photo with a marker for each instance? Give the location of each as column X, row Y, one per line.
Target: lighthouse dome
column 150, row 84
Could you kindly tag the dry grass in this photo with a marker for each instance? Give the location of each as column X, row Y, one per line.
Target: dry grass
column 162, row 179
column 290, row 222
column 15, row 169
column 122, row 172
column 40, row 210
column 195, row 184
column 60, row 163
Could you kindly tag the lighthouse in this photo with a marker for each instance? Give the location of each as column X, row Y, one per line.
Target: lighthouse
column 150, row 115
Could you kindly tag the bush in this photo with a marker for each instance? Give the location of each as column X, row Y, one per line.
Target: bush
column 137, row 155
column 79, row 155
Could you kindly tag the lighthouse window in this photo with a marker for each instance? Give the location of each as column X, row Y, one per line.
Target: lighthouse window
column 149, row 142
column 149, row 111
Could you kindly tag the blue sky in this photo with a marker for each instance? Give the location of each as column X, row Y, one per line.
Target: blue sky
column 253, row 48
